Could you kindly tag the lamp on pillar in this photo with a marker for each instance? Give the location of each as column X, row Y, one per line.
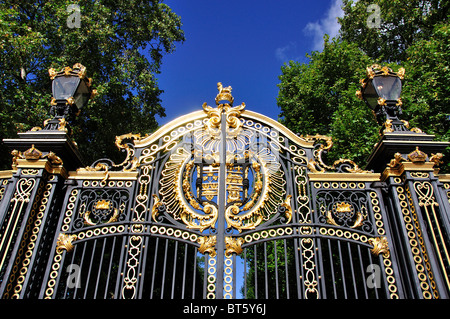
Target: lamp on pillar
column 381, row 91
column 71, row 91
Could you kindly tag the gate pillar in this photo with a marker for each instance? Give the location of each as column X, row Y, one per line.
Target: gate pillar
column 29, row 207
column 420, row 217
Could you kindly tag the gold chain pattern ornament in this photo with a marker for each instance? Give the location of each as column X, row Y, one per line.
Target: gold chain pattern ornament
column 416, row 242
column 425, row 194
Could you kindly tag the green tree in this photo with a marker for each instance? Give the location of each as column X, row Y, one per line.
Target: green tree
column 319, row 98
column 414, row 34
column 121, row 43
column 401, row 24
column 427, row 91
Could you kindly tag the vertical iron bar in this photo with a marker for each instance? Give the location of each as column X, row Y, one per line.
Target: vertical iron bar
column 286, row 263
column 72, row 261
column 111, row 258
column 332, row 268
column 221, row 199
column 164, row 269
column 256, row 271
column 205, row 276
column 245, row 273
column 142, row 274
column 266, row 279
column 363, row 271
column 81, row 266
column 371, row 262
column 90, row 267
column 99, row 268
column 194, row 277
column 123, row 249
column 174, row 268
column 184, row 270
column 276, row 269
column 352, row 271
column 154, row 267
column 298, row 268
column 342, row 269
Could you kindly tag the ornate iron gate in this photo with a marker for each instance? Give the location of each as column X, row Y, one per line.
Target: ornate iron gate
column 223, row 203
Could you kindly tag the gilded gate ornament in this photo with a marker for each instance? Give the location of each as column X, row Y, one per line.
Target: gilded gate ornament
column 207, row 244
column 65, row 242
column 380, row 246
column 190, row 179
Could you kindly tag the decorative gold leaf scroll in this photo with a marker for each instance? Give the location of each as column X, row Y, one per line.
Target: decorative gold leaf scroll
column 318, row 165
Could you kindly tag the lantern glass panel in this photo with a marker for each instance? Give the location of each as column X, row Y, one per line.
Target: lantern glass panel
column 64, row 87
column 82, row 95
column 370, row 95
column 388, row 87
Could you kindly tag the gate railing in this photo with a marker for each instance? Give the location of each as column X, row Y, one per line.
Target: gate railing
column 224, row 203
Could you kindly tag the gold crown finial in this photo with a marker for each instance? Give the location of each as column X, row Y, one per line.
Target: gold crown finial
column 417, row 156
column 224, row 94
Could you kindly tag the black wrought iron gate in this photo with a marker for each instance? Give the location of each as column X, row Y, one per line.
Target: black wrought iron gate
column 222, row 203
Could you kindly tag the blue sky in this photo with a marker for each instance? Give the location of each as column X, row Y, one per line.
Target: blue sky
column 242, row 44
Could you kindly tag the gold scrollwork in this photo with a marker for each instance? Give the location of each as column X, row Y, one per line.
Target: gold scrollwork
column 287, row 205
column 318, row 165
column 344, row 208
column 156, row 204
column 88, row 220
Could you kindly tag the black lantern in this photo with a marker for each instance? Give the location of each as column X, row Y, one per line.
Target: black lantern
column 71, row 91
column 381, row 91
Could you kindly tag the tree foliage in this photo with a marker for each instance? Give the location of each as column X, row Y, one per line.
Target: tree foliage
column 318, row 97
column 121, row 43
column 402, row 24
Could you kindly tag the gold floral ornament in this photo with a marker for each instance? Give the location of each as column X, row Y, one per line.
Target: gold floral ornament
column 65, row 242
column 233, row 245
column 207, row 245
column 380, row 246
column 101, row 205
